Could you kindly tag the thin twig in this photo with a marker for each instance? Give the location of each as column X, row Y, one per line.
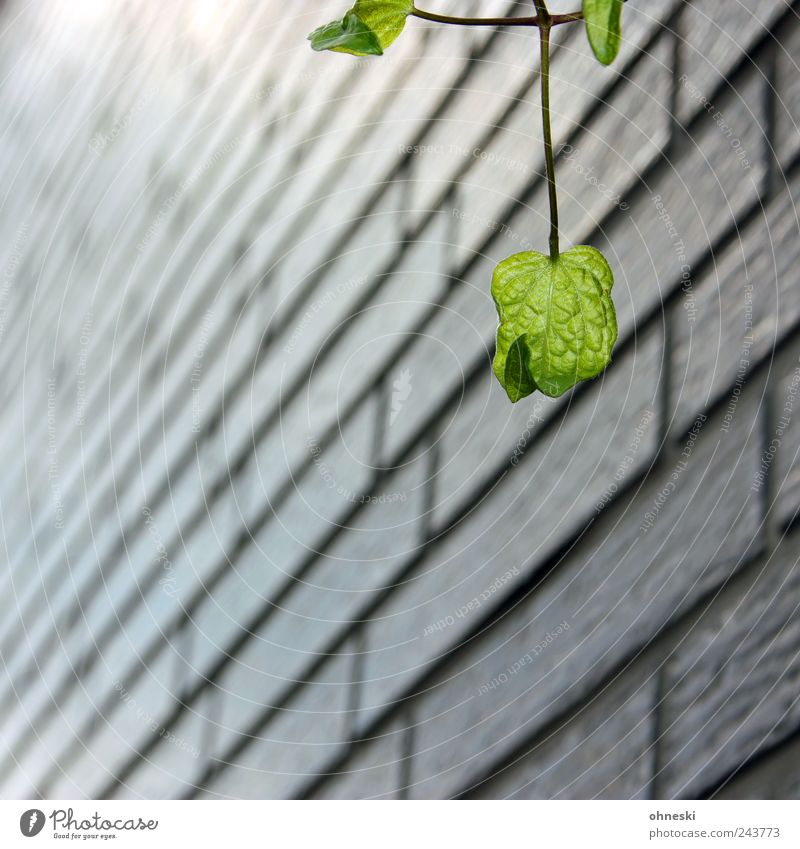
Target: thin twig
column 544, row 76
column 555, row 20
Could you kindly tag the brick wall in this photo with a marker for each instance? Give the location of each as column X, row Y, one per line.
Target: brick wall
column 270, row 527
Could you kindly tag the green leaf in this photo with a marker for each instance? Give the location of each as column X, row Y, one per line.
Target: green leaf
column 366, row 30
column 386, row 18
column 350, row 35
column 511, row 363
column 557, row 320
column 604, row 27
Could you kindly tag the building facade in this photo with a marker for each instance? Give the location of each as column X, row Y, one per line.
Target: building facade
column 271, row 528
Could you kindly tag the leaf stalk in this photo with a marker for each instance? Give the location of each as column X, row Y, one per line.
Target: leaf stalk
column 553, row 20
column 544, row 77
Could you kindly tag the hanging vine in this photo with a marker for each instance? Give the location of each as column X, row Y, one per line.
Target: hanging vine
column 557, row 320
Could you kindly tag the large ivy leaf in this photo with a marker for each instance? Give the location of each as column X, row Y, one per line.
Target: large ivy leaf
column 557, row 320
column 366, row 30
column 604, row 27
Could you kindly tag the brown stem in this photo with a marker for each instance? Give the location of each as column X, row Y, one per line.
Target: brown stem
column 554, row 20
column 544, row 76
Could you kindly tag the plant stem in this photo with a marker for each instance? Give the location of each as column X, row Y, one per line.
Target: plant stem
column 544, row 76
column 554, row 20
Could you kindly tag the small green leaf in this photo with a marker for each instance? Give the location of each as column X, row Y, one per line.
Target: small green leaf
column 511, row 364
column 604, row 27
column 366, row 30
column 350, row 35
column 557, row 320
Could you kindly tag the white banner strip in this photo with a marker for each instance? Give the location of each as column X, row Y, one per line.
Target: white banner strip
column 400, row 825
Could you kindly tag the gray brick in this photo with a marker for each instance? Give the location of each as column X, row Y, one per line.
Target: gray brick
column 715, row 40
column 301, row 739
column 159, row 612
column 345, row 149
column 458, row 333
column 787, row 114
column 700, row 194
column 136, row 499
column 316, row 504
column 155, row 610
column 299, row 523
column 156, row 615
column 396, row 92
column 731, row 317
column 365, row 350
column 375, row 770
column 121, row 653
column 524, row 520
column 363, row 560
column 139, row 715
column 375, row 333
column 699, row 537
column 776, row 777
column 732, row 683
column 481, row 207
column 604, row 752
column 450, row 143
column 488, row 433
column 783, row 441
column 177, row 762
column 347, row 275
column 596, row 174
column 33, row 767
column 117, row 573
